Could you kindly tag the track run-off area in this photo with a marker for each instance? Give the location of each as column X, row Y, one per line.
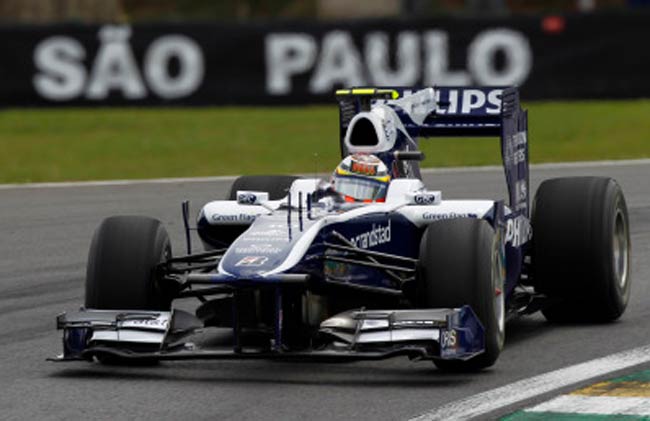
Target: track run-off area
column 46, row 231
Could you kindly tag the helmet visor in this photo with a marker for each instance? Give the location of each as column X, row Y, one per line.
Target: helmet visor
column 360, row 188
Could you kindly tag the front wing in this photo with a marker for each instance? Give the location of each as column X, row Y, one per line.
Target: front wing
column 352, row 335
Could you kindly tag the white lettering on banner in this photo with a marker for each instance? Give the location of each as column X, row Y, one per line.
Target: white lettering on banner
column 436, row 70
column 62, row 74
column 339, row 64
column 286, row 55
column 190, row 59
column 482, row 55
column 408, row 59
column 115, row 67
column 376, row 236
column 335, row 60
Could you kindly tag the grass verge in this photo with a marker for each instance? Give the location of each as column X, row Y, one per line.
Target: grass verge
column 122, row 143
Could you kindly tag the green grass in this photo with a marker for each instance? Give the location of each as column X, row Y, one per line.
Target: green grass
column 122, row 143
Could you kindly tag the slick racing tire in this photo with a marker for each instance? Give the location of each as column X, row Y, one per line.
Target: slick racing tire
column 121, row 265
column 276, row 185
column 581, row 249
column 462, row 263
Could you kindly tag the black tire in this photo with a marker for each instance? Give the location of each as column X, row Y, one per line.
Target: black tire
column 120, row 273
column 276, row 185
column 461, row 262
column 223, row 235
column 581, row 249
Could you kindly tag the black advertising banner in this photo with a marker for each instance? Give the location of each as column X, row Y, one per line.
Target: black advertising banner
column 553, row 57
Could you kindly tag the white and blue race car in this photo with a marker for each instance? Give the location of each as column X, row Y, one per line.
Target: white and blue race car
column 295, row 268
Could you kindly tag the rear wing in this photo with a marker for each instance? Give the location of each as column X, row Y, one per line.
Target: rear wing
column 457, row 112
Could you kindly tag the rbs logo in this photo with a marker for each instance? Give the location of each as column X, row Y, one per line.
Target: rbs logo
column 62, row 74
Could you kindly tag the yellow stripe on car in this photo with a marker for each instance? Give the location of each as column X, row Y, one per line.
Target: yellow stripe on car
column 368, row 91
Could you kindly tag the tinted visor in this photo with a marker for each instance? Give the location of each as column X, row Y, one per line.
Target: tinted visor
column 360, row 188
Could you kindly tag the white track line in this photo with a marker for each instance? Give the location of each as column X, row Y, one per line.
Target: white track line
column 589, row 405
column 492, row 400
column 486, row 168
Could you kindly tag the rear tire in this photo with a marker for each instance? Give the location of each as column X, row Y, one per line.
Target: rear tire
column 581, row 256
column 123, row 255
column 462, row 263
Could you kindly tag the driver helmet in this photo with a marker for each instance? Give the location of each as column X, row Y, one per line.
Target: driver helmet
column 361, row 178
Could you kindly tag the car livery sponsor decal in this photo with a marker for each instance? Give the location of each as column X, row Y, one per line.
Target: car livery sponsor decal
column 521, row 191
column 426, row 198
column 265, row 249
column 158, row 323
column 364, row 168
column 449, row 339
column 246, row 198
column 241, row 217
column 252, row 261
column 432, row 216
column 518, row 231
column 378, row 234
column 335, row 269
column 469, row 101
column 264, row 246
column 515, row 146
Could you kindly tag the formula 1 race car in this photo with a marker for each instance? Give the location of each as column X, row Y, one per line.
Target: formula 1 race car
column 370, row 265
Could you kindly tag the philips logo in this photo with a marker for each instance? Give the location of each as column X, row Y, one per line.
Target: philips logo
column 377, row 235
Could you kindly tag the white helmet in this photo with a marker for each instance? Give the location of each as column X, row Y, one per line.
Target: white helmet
column 361, row 178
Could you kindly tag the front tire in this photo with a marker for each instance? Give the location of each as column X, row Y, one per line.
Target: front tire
column 120, row 272
column 461, row 263
column 581, row 256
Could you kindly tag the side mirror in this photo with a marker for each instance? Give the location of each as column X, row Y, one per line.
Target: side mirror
column 245, row 197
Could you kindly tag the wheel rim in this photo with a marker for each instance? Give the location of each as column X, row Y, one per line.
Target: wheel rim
column 621, row 249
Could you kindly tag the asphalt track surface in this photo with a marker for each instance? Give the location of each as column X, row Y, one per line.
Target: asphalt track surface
column 45, row 234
